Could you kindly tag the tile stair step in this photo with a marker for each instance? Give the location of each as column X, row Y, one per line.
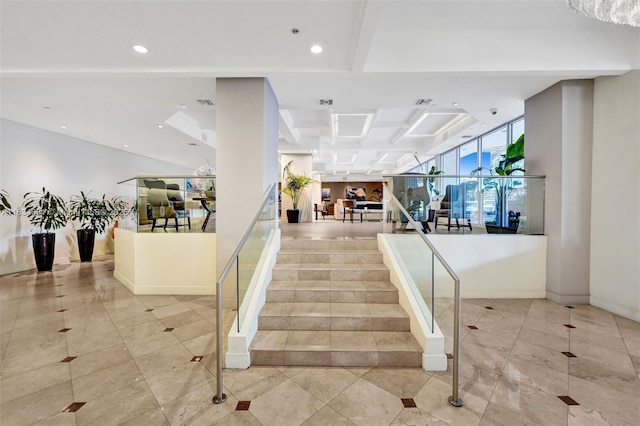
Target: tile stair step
column 332, row 292
column 330, row 272
column 333, row 316
column 328, row 245
column 336, row 348
column 361, row 257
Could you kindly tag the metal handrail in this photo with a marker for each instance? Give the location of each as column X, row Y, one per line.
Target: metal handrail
column 419, row 175
column 220, row 397
column 453, row 399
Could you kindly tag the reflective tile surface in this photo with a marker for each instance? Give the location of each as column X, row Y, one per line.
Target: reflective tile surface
column 150, row 360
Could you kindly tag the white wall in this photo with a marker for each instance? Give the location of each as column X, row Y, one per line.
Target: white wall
column 31, row 158
column 558, row 128
column 615, row 228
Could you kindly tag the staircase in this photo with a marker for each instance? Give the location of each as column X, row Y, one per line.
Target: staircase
column 330, row 303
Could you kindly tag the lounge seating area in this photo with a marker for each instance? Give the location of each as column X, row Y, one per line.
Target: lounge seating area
column 354, row 210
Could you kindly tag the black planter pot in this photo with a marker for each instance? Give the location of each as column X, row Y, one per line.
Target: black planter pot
column 86, row 240
column 293, row 216
column 43, row 249
column 494, row 229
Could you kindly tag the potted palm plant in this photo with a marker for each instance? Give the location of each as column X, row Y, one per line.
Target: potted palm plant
column 94, row 215
column 5, row 206
column 508, row 164
column 293, row 187
column 47, row 212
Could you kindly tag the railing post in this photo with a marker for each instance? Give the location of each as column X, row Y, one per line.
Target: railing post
column 454, row 399
column 220, row 397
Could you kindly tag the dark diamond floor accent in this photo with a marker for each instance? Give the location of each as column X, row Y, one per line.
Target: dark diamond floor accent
column 196, row 358
column 569, row 355
column 568, row 400
column 568, row 325
column 62, row 295
column 243, row 405
column 570, row 307
column 69, row 359
column 408, row 403
column 168, row 330
column 148, row 310
column 62, row 310
column 64, row 330
column 72, row 408
column 488, row 307
column 472, row 327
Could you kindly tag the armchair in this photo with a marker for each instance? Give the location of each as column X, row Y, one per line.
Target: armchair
column 159, row 206
column 175, row 196
column 453, row 206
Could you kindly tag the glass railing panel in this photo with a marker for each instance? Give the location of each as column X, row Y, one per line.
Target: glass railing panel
column 127, row 207
column 185, row 203
column 472, row 204
column 252, row 251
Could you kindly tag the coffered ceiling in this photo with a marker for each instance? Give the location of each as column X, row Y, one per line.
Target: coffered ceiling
column 395, row 79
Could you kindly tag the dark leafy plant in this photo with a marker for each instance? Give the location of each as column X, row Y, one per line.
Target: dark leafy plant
column 92, row 213
column 5, row 206
column 294, row 184
column 45, row 210
column 431, row 180
column 122, row 208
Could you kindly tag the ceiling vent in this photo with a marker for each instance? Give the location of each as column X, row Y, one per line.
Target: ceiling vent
column 424, row 101
column 205, row 102
column 326, row 101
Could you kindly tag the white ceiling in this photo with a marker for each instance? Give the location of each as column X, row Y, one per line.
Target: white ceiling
column 70, row 63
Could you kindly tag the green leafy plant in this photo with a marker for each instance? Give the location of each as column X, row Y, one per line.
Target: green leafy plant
column 45, row 210
column 294, row 184
column 5, row 206
column 92, row 213
column 122, row 208
column 431, row 180
column 508, row 164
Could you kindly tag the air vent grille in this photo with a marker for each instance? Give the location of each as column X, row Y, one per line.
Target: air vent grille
column 424, row 101
column 206, row 102
column 326, row 101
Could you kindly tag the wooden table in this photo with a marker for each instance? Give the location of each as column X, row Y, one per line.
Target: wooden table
column 203, row 203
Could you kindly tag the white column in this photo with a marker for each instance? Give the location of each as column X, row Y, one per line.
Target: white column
column 559, row 135
column 246, row 162
column 615, row 205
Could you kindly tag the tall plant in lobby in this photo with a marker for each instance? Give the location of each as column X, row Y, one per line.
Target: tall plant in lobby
column 47, row 212
column 293, row 186
column 5, row 205
column 94, row 215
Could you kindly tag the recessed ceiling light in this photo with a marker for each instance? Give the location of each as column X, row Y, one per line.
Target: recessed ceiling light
column 182, row 106
column 160, row 126
column 316, row 48
column 140, row 48
column 126, row 146
column 47, row 107
column 455, row 104
column 484, row 124
column 63, row 127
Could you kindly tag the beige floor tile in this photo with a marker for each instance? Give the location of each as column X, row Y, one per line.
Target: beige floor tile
column 90, row 337
column 19, row 385
column 181, row 319
column 36, row 406
column 483, row 357
column 581, row 416
column 270, row 340
column 239, row 418
column 202, row 345
column 414, row 417
column 365, row 404
column 153, row 343
column 602, row 354
column 350, row 341
column 164, row 359
column 60, row 419
column 98, row 360
column 102, row 382
column 287, row 404
column 32, row 354
column 496, row 415
column 154, row 417
column 139, row 331
column 471, row 379
column 432, row 399
column 195, row 407
column 170, row 384
column 155, row 302
column 536, row 376
column 610, row 403
column 539, row 338
column 393, row 341
column 540, row 356
column 324, row 383
column 327, row 416
column 247, row 385
column 308, row 340
column 118, row 407
column 526, row 401
column 170, row 310
column 403, row 383
column 625, row 381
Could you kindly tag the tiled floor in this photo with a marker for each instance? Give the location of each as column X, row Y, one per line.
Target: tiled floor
column 78, row 348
